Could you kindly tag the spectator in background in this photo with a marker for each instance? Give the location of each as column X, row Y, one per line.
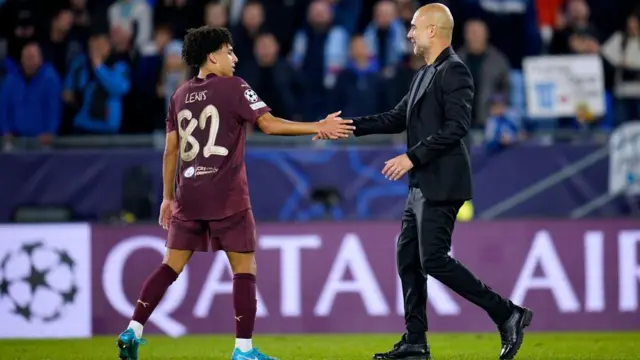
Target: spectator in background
column 622, row 50
column 386, row 36
column 30, row 103
column 58, row 47
column 134, row 17
column 502, row 127
column 512, row 24
column 147, row 104
column 18, row 22
column 346, row 13
column 320, row 53
column 245, row 33
column 179, row 14
column 357, row 91
column 271, row 76
column 81, row 20
column 489, row 68
column 215, row 14
column 397, row 87
column 122, row 45
column 574, row 19
column 406, row 9
column 97, row 84
column 174, row 72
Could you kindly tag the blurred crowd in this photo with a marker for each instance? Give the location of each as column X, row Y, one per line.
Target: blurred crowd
column 110, row 66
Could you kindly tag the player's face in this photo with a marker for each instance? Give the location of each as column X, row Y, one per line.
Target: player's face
column 226, row 60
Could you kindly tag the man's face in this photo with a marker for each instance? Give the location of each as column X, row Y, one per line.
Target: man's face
column 63, row 21
column 252, row 16
column 359, row 50
column 385, row 13
column 215, row 15
column 319, row 14
column 578, row 10
column 31, row 59
column 475, row 36
column 266, row 49
column 100, row 46
column 420, row 34
column 226, row 60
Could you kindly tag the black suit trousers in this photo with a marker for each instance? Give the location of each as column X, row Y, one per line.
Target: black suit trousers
column 423, row 249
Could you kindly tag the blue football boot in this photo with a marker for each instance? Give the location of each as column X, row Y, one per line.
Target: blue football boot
column 128, row 344
column 253, row 354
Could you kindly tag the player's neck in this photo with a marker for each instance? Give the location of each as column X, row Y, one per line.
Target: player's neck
column 203, row 73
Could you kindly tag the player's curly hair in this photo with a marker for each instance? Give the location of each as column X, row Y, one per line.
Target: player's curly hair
column 200, row 42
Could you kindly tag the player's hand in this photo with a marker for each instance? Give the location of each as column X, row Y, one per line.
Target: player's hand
column 166, row 210
column 334, row 127
column 395, row 168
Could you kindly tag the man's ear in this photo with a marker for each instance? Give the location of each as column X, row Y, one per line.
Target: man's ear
column 212, row 58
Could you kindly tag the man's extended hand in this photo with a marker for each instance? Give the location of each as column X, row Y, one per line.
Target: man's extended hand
column 334, row 127
column 395, row 168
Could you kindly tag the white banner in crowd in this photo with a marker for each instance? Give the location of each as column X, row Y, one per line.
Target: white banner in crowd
column 556, row 86
column 624, row 159
column 45, row 281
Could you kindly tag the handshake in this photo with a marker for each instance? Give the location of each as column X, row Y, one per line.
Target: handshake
column 333, row 127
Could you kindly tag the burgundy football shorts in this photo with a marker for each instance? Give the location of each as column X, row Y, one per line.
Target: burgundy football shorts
column 236, row 233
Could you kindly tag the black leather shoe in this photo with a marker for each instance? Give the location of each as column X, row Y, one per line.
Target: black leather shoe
column 404, row 351
column 512, row 332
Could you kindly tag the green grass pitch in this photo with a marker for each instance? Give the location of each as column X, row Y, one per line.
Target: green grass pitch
column 538, row 346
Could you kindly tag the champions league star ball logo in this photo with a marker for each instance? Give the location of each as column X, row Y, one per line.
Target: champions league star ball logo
column 37, row 282
column 251, row 95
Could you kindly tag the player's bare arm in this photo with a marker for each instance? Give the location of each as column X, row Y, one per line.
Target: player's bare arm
column 331, row 127
column 169, row 164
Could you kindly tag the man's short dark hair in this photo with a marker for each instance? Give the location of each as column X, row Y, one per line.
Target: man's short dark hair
column 200, row 42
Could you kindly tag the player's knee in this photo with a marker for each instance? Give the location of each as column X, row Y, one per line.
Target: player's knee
column 243, row 263
column 177, row 259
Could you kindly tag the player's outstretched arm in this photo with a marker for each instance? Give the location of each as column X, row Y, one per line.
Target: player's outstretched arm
column 332, row 127
column 390, row 122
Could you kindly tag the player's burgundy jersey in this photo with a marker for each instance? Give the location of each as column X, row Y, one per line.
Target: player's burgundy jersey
column 210, row 116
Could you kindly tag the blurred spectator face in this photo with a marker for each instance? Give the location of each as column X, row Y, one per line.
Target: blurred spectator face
column 162, row 37
column 633, row 26
column 498, row 108
column 215, row 15
column 406, row 8
column 385, row 13
column 252, row 16
column 359, row 50
column 476, row 36
column 79, row 4
column 31, row 59
column 100, row 46
column 578, row 11
column 63, row 21
column 120, row 38
column 266, row 49
column 320, row 16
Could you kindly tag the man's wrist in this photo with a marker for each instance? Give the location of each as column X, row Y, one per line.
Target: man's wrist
column 317, row 127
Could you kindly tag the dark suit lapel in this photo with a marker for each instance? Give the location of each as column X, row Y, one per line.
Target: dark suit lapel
column 424, row 85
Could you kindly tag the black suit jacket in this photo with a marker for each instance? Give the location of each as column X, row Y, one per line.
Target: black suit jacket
column 438, row 113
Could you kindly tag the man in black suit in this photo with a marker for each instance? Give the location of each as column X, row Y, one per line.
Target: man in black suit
column 436, row 115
